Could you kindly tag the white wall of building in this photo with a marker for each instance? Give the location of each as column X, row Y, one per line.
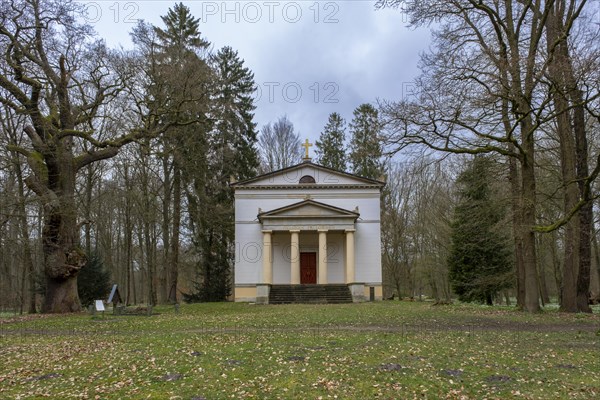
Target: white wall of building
column 248, row 202
column 248, row 234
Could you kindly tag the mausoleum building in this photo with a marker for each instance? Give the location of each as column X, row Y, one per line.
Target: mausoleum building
column 307, row 226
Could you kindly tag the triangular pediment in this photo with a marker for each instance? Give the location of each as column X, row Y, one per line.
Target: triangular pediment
column 314, row 175
column 308, row 209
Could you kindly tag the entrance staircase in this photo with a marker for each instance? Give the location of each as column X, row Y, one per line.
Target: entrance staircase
column 317, row 294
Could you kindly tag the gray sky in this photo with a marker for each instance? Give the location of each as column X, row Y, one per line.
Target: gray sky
column 309, row 58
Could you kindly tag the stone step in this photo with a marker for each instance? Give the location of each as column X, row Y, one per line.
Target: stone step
column 289, row 294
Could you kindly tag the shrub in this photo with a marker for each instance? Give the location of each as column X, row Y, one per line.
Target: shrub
column 93, row 282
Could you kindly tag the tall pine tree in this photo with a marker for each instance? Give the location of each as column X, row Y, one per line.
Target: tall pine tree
column 480, row 257
column 365, row 146
column 178, row 81
column 181, row 36
column 330, row 148
column 182, row 47
column 232, row 153
column 235, row 134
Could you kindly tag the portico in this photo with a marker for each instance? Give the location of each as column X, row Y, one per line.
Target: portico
column 298, row 275
column 300, row 220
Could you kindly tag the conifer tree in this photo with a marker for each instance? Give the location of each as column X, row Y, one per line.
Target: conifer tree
column 206, row 154
column 235, row 135
column 480, row 257
column 365, row 147
column 330, row 148
column 181, row 35
column 178, row 66
column 232, row 153
column 94, row 280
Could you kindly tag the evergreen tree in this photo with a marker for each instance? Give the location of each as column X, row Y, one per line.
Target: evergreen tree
column 480, row 257
column 365, row 147
column 232, row 153
column 181, row 35
column 235, row 134
column 222, row 144
column 180, row 81
column 93, row 283
column 330, row 148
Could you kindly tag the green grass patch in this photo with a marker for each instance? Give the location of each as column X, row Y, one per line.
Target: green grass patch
column 388, row 350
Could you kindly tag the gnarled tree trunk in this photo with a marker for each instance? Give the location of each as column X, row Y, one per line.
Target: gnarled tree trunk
column 63, row 257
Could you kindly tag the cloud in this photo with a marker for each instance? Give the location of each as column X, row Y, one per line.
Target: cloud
column 309, row 58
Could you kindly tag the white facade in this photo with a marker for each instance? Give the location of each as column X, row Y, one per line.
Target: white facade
column 280, row 222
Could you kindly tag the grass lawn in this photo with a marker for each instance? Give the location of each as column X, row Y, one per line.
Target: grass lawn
column 386, row 350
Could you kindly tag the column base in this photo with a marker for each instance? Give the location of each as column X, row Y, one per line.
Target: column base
column 357, row 290
column 262, row 293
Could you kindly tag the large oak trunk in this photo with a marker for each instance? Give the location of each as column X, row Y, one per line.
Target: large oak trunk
column 63, row 260
column 61, row 296
column 58, row 90
column 63, row 256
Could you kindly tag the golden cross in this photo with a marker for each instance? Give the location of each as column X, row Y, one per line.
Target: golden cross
column 306, row 145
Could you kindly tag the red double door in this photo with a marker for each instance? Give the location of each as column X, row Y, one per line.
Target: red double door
column 308, row 268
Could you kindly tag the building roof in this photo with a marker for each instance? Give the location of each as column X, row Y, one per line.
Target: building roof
column 330, row 174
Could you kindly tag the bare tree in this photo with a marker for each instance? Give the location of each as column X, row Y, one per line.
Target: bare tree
column 19, row 275
column 54, row 73
column 483, row 90
column 280, row 145
column 566, row 82
column 417, row 207
column 397, row 245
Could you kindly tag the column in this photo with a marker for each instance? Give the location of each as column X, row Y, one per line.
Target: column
column 267, row 258
column 350, row 255
column 295, row 256
column 322, row 257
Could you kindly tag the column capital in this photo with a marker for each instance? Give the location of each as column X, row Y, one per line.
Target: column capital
column 294, row 230
column 349, row 230
column 267, row 231
column 322, row 230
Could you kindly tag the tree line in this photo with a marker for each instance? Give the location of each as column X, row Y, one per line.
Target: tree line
column 124, row 153
column 125, row 156
column 517, row 81
column 361, row 153
column 119, row 161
